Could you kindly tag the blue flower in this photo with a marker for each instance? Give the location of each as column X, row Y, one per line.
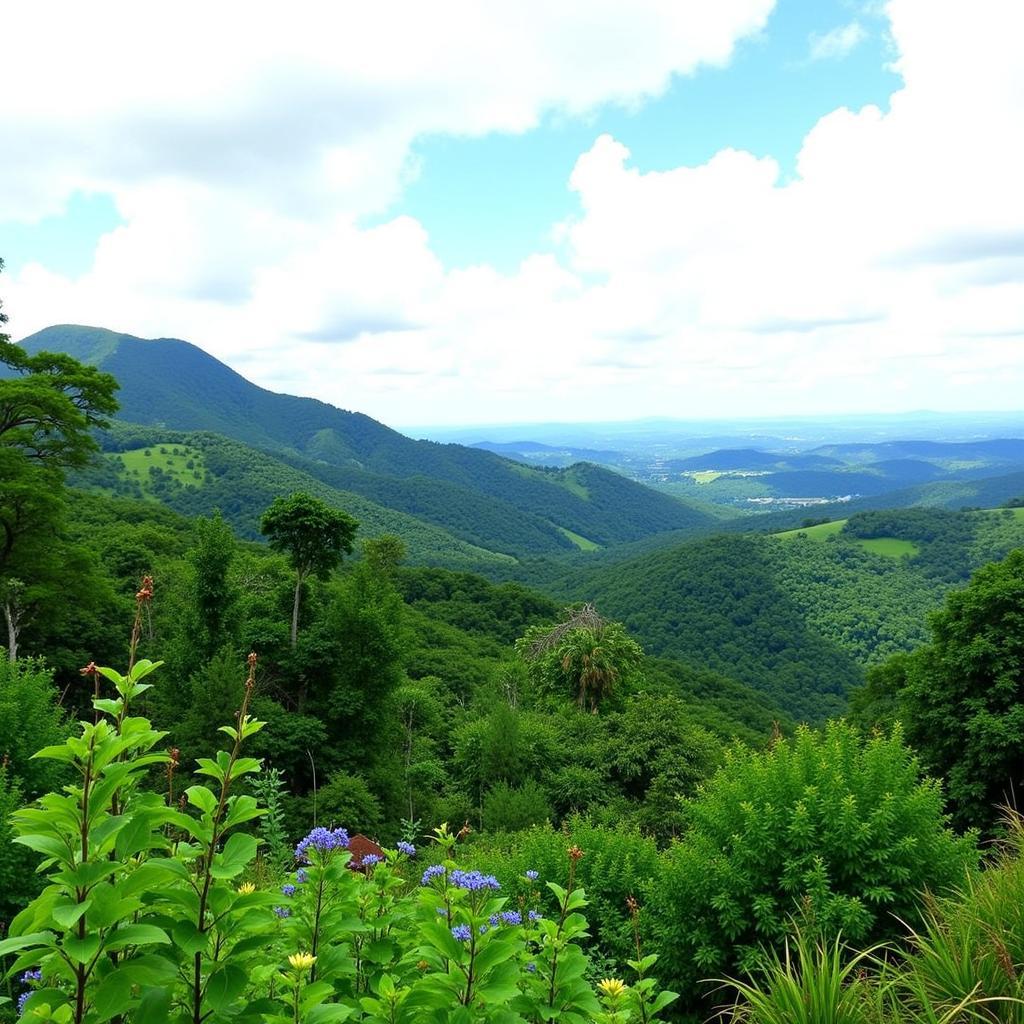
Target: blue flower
column 288, row 890
column 532, row 875
column 482, row 929
column 534, row 916
column 531, row 967
column 495, row 921
column 22, row 999
column 282, row 912
column 322, row 840
column 30, row 976
column 407, row 848
column 302, row 876
column 511, row 917
column 474, row 880
column 462, row 932
column 432, row 872
column 370, row 859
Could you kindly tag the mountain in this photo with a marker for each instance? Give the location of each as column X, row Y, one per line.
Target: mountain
column 478, row 496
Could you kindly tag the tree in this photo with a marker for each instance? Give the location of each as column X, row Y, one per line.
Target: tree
column 313, row 534
column 49, row 406
column 212, row 596
column 963, row 703
column 586, row 653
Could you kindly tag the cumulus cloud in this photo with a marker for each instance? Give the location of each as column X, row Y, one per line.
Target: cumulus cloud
column 887, row 271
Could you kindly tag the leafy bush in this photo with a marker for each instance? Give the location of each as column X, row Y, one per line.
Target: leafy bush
column 512, row 808
column 842, row 832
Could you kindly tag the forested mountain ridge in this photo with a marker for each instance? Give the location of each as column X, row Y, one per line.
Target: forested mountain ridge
column 173, row 385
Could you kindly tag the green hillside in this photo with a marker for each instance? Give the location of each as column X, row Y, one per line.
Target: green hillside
column 799, row 616
column 241, row 482
column 481, row 497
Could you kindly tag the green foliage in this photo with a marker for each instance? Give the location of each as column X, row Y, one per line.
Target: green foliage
column 513, row 808
column 809, row 983
column 17, row 864
column 312, row 534
column 841, row 831
column 584, row 657
column 29, row 720
column 964, row 697
column 212, row 596
column 143, row 917
column 618, row 863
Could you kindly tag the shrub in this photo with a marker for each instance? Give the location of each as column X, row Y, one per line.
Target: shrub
column 513, row 808
column 844, row 833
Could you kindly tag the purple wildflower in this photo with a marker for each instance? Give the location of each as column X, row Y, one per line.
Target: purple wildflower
column 30, row 976
column 511, row 917
column 494, row 920
column 282, row 912
column 302, row 876
column 532, row 875
column 534, row 916
column 432, row 872
column 462, row 932
column 407, row 848
column 288, row 890
column 531, row 967
column 22, row 999
column 322, row 840
column 370, row 859
column 474, row 880
column 482, row 929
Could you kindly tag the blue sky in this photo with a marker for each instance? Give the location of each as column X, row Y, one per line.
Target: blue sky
column 488, row 213
column 494, row 199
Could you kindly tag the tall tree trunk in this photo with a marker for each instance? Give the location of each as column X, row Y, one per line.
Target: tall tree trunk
column 11, row 615
column 295, row 608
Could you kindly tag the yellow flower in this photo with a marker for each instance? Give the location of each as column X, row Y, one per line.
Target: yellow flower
column 302, row 961
column 612, row 987
column 246, row 887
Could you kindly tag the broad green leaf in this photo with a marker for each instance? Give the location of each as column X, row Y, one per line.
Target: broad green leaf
column 225, row 985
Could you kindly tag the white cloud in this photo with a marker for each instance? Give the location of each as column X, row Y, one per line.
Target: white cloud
column 888, row 273
column 837, row 42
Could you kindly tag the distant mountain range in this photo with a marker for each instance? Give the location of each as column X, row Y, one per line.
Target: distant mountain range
column 475, row 496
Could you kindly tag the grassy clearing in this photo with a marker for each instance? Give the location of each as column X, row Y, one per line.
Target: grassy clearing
column 819, row 532
column 182, row 463
column 581, row 542
column 891, row 547
column 704, row 476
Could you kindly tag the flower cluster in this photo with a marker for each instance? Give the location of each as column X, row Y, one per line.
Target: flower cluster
column 434, row 871
column 532, row 875
column 506, row 917
column 282, row 912
column 474, row 881
column 288, row 890
column 321, row 840
column 301, row 876
column 462, row 932
column 407, row 848
column 370, row 859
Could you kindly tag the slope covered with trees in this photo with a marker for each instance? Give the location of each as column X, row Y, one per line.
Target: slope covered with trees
column 176, row 386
